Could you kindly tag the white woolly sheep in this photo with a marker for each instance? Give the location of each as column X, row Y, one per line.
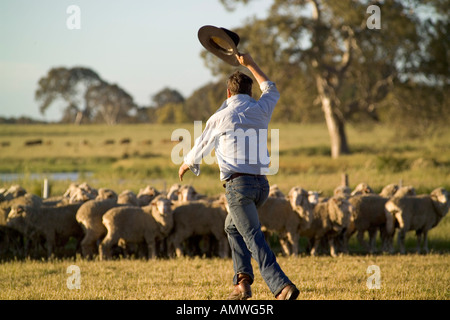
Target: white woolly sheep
column 362, row 188
column 369, row 215
column 276, row 192
column 128, row 197
column 198, row 218
column 172, row 194
column 330, row 218
column 419, row 213
column 57, row 224
column 287, row 217
column 146, row 195
column 12, row 192
column 134, row 225
column 342, row 191
column 183, row 193
column 23, row 199
column 104, row 193
column 80, row 193
column 89, row 216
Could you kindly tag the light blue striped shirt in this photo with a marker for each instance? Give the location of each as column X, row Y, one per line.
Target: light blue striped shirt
column 238, row 133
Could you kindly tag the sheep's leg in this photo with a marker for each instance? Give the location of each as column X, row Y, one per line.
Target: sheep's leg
column 170, row 248
column 425, row 241
column 372, row 240
column 419, row 240
column 88, row 245
column 332, row 247
column 345, row 243
column 285, row 246
column 315, row 246
column 177, row 245
column 384, row 239
column 295, row 238
column 50, row 244
column 26, row 247
column 105, row 247
column 360, row 237
column 401, row 240
column 151, row 245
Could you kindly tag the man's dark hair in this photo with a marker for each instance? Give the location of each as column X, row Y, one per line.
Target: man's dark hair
column 239, row 82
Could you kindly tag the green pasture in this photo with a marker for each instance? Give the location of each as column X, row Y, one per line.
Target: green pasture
column 378, row 157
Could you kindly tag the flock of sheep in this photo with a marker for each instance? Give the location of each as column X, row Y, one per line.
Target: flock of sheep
column 182, row 222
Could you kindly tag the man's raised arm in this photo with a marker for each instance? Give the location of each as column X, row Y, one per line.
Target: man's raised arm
column 247, row 61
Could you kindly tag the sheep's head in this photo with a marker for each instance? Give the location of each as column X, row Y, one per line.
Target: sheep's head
column 342, row 191
column 162, row 213
column 14, row 191
column 104, row 193
column 362, row 188
column 81, row 195
column 389, row 190
column 340, row 212
column 187, row 193
column 298, row 198
column 172, row 194
column 405, row 191
column 276, row 192
column 313, row 197
column 128, row 197
column 440, row 200
column 16, row 218
column 145, row 196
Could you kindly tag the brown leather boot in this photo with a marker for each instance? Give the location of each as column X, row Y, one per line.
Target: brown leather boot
column 242, row 290
column 290, row 292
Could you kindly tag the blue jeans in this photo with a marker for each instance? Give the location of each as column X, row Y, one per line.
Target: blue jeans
column 244, row 195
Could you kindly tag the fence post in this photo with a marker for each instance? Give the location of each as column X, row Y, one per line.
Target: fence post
column 344, row 180
column 46, row 190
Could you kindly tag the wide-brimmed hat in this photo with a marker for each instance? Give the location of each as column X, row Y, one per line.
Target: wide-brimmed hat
column 220, row 42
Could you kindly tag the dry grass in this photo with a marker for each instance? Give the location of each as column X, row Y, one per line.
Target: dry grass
column 344, row 278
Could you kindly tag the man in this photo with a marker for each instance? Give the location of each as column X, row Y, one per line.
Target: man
column 246, row 185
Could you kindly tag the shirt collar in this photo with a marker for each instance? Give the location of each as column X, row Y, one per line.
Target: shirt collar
column 239, row 97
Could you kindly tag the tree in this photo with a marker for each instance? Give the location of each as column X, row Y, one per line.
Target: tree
column 350, row 67
column 68, row 85
column 108, row 102
column 205, row 101
column 165, row 96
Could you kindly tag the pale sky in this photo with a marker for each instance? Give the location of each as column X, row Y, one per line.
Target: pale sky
column 142, row 45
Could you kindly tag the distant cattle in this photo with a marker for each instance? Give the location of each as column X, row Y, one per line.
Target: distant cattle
column 34, row 142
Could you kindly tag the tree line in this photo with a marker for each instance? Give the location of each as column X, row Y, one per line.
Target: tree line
column 328, row 65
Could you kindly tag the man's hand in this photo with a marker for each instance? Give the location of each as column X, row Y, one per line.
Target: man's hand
column 183, row 168
column 247, row 61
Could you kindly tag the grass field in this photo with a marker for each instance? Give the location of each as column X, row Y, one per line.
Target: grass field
column 344, row 278
column 378, row 158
